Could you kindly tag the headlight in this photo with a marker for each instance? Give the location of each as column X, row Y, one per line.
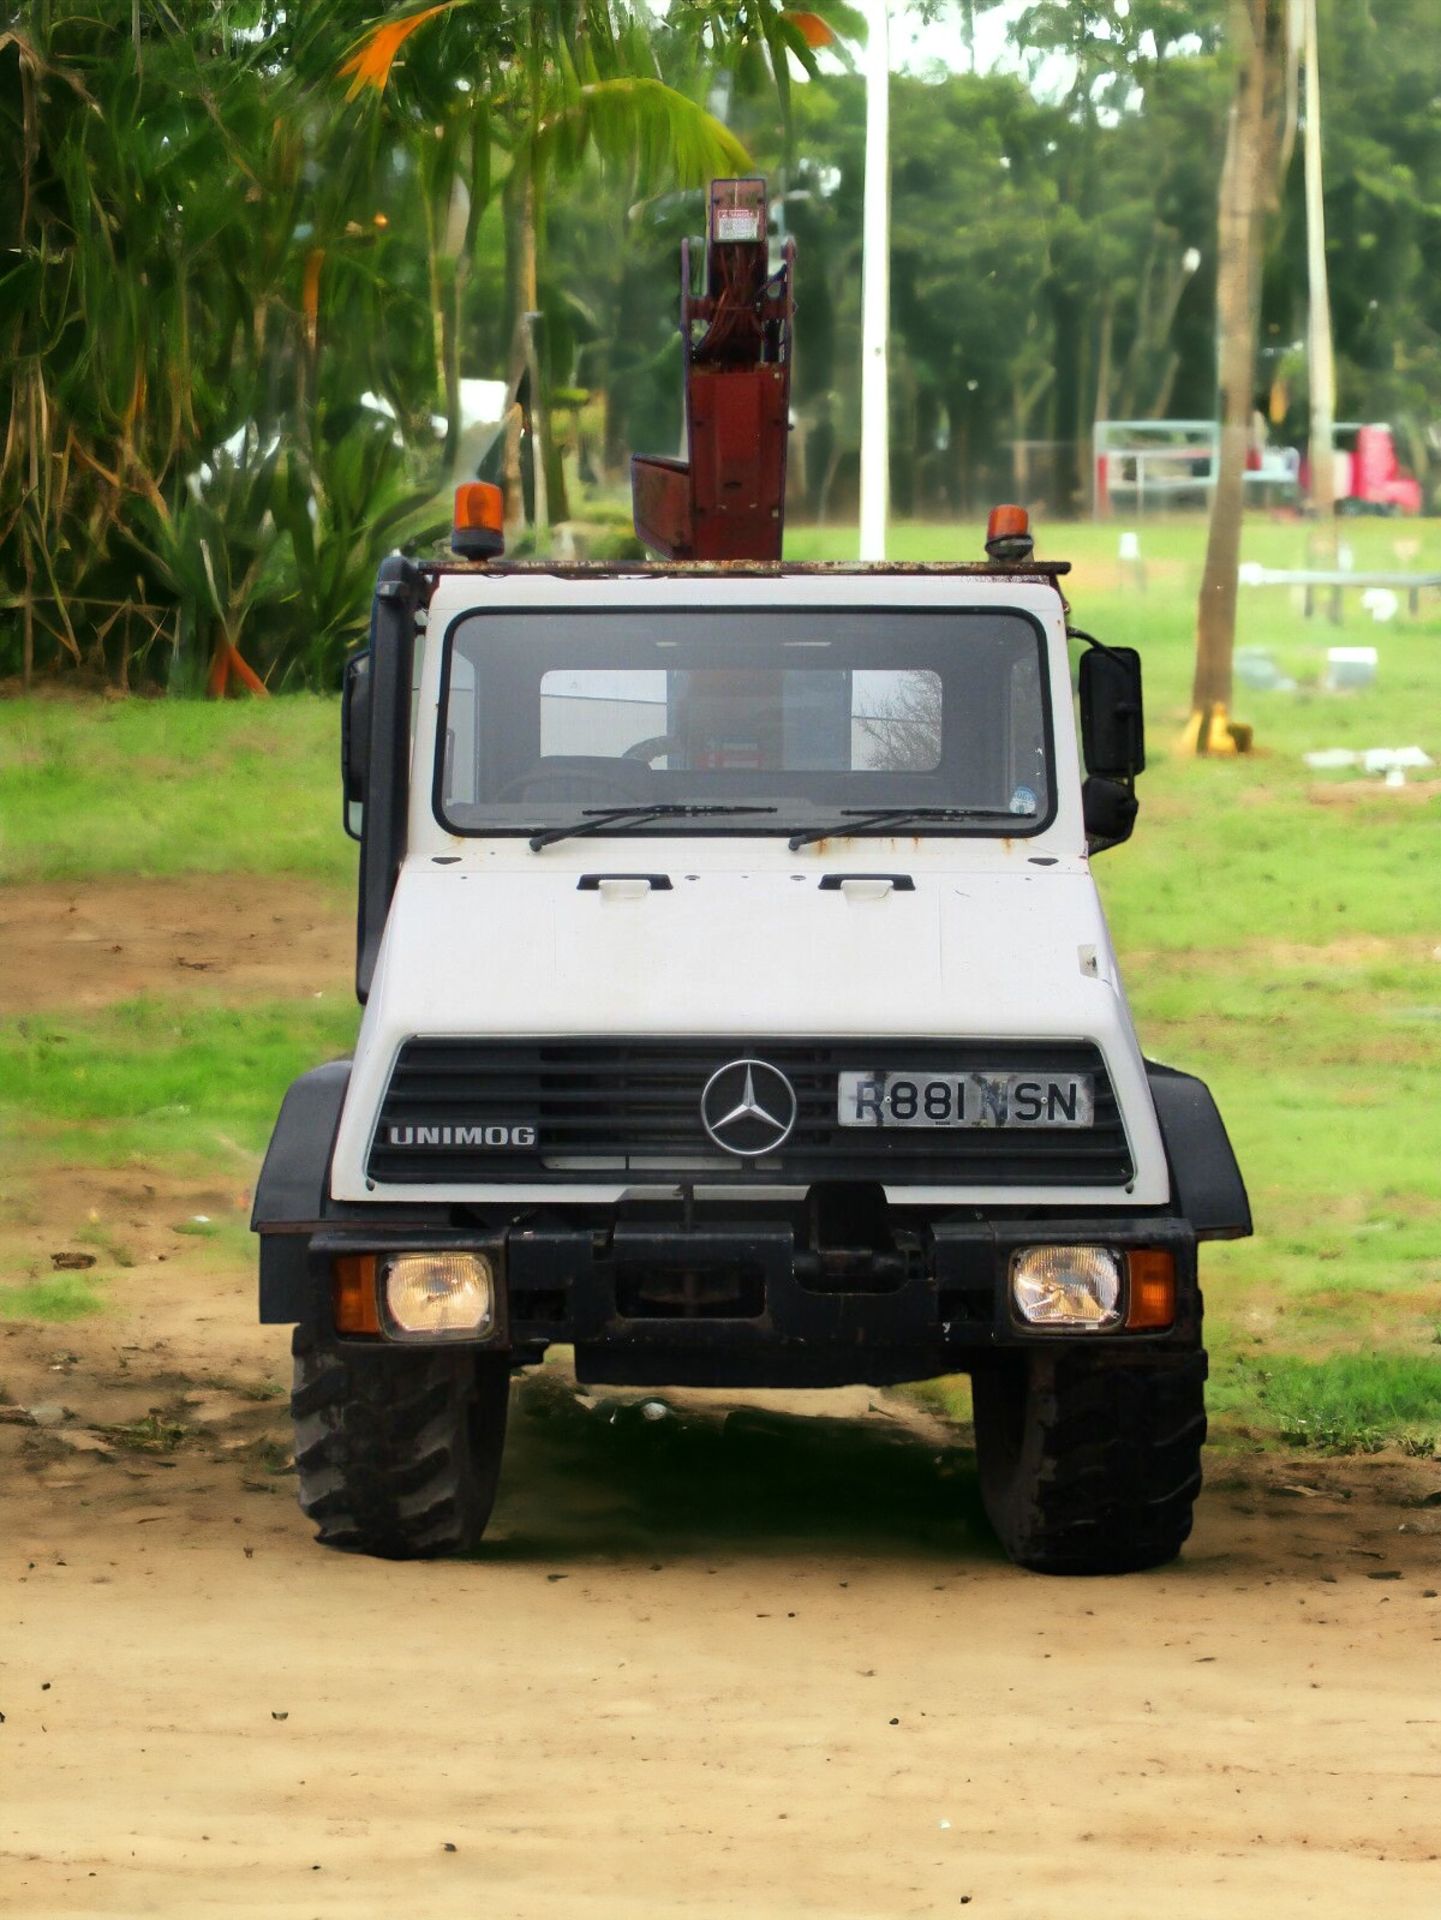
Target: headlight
column 1067, row 1287
column 430, row 1295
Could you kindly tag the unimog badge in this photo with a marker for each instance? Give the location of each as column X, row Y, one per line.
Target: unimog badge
column 487, row 1136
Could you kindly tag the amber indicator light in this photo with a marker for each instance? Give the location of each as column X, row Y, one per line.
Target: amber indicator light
column 1151, row 1273
column 352, row 1293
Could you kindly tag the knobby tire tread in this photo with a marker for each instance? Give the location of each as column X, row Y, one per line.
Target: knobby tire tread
column 398, row 1452
column 1091, row 1464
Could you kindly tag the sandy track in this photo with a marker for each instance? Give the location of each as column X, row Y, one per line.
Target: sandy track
column 760, row 1664
column 85, row 943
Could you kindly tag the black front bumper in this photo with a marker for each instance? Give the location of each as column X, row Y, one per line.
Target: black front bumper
column 740, row 1302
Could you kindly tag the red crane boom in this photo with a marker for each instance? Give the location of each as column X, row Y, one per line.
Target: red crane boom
column 727, row 500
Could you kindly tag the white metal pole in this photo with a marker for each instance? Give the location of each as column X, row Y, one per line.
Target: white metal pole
column 876, row 290
column 1320, row 353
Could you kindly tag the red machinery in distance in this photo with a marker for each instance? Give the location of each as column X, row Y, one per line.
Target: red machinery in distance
column 727, row 501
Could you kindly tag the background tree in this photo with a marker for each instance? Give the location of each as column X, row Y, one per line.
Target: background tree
column 1257, row 137
column 163, row 315
column 236, row 307
column 551, row 82
column 1382, row 153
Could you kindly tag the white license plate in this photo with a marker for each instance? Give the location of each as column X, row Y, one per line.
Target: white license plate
column 901, row 1099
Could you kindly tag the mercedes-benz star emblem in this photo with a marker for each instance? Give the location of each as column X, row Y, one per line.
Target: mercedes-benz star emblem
column 748, row 1108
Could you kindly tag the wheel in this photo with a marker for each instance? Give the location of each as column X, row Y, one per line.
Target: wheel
column 398, row 1450
column 1089, row 1464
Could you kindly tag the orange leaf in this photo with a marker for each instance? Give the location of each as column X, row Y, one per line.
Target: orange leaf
column 375, row 54
column 813, row 29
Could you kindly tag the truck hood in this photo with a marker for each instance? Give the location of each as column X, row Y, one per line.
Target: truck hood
column 1007, row 953
column 735, row 953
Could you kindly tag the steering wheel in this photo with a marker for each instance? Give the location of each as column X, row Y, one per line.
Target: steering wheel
column 653, row 748
column 600, row 785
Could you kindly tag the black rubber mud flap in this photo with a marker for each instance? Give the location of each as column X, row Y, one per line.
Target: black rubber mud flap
column 292, row 1192
column 1090, row 1462
column 398, row 1449
column 294, row 1182
column 1206, row 1182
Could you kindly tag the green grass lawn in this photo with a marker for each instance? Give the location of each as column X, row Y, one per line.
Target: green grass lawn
column 170, row 786
column 1280, row 930
column 148, row 1082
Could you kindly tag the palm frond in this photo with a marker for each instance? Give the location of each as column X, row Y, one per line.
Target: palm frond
column 666, row 137
column 373, row 56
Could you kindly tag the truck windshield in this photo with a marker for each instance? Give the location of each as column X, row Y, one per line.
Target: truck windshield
column 797, row 714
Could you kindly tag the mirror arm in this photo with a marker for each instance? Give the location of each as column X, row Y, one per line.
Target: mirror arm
column 1078, row 633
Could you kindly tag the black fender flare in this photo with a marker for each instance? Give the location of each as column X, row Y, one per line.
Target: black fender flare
column 292, row 1195
column 293, row 1190
column 1206, row 1185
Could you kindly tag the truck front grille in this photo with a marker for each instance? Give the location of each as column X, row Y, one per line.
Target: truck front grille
column 608, row 1108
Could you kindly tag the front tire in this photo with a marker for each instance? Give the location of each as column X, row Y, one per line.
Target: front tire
column 398, row 1449
column 1089, row 1464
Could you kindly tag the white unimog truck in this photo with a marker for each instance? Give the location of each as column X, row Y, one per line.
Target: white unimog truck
column 740, row 1011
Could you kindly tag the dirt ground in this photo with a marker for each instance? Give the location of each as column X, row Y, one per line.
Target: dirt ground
column 757, row 1657
column 85, row 943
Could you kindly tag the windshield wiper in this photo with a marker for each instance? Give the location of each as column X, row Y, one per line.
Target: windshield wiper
column 862, row 819
column 597, row 819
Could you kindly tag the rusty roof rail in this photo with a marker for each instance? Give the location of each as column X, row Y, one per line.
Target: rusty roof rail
column 1032, row 572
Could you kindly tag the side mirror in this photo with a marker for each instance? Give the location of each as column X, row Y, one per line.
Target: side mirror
column 1113, row 727
column 355, row 741
column 1108, row 811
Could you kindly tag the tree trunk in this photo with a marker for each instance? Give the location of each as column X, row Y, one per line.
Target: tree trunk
column 452, row 278
column 436, row 289
column 512, row 479
column 959, row 411
column 1143, row 342
column 1105, row 348
column 1248, row 191
column 1161, row 405
column 525, row 358
column 1065, row 398
column 27, row 652
column 1235, row 304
